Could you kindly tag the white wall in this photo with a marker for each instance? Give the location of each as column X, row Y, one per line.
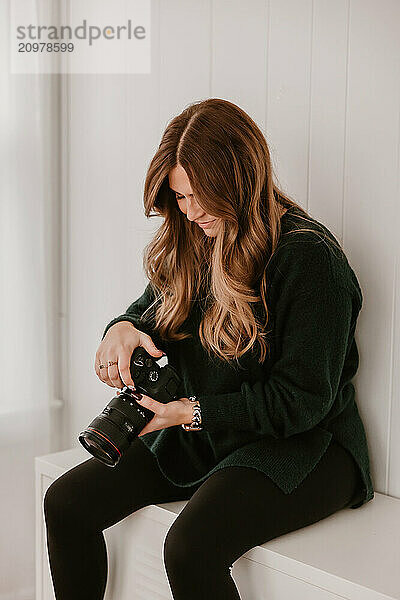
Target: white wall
column 321, row 79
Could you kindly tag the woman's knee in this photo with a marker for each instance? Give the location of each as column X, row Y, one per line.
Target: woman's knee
column 179, row 545
column 58, row 504
column 191, row 558
column 173, row 547
column 185, row 543
column 65, row 502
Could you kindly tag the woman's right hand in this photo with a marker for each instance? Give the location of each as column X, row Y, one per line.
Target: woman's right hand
column 117, row 346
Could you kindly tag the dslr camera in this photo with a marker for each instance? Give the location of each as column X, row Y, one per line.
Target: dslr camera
column 109, row 434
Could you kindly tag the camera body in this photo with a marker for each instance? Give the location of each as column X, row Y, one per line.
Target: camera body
column 112, row 432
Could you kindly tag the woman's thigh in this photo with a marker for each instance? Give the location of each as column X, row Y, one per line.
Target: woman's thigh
column 94, row 496
column 238, row 508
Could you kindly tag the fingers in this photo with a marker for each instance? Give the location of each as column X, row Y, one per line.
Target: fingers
column 149, row 345
column 119, row 375
column 113, row 376
column 103, row 373
column 124, row 363
column 157, row 407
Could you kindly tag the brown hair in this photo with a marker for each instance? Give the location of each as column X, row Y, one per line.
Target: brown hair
column 227, row 161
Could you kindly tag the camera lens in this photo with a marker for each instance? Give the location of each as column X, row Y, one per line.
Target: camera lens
column 112, row 432
column 99, row 447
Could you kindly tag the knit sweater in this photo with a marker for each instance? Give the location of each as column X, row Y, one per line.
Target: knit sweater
column 279, row 416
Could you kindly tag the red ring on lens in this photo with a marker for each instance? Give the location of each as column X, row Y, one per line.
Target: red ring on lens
column 103, row 436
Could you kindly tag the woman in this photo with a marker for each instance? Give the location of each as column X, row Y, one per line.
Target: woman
column 255, row 305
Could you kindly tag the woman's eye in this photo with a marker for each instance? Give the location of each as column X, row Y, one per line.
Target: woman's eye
column 179, row 197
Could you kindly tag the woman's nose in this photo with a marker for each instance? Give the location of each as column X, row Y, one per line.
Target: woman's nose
column 192, row 211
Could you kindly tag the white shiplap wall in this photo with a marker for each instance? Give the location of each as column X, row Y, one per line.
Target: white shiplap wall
column 322, row 80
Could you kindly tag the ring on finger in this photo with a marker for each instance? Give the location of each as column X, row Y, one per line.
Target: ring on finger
column 109, row 364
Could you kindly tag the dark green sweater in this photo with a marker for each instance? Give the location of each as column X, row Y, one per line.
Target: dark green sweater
column 280, row 416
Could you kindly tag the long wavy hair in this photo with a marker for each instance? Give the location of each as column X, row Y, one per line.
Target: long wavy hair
column 227, row 161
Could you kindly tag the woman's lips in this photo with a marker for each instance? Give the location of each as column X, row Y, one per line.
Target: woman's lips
column 204, row 225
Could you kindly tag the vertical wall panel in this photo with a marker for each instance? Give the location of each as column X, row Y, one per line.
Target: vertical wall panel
column 393, row 457
column 114, row 126
column 185, row 47
column 370, row 207
column 239, row 57
column 98, row 203
column 327, row 112
column 288, row 114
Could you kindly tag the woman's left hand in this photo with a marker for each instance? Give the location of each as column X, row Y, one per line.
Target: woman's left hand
column 172, row 413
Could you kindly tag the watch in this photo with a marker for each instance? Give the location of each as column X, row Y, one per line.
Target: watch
column 196, row 419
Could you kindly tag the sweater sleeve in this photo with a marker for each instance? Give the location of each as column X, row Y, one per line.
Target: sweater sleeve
column 134, row 313
column 313, row 314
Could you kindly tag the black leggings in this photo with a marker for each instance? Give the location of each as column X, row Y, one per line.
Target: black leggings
column 235, row 509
